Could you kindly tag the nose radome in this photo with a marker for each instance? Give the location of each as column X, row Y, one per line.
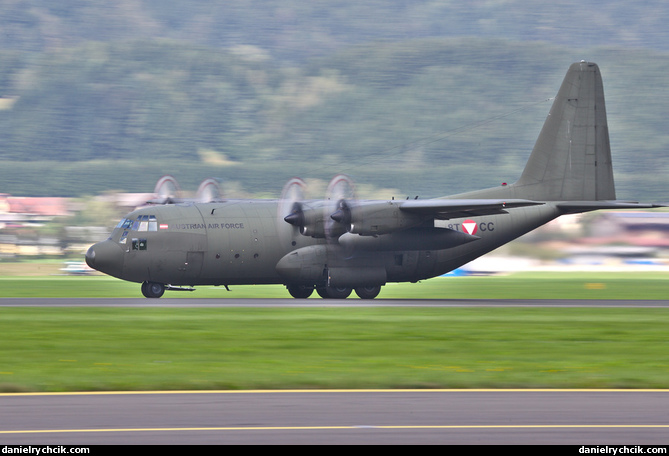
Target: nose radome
column 106, row 256
column 90, row 256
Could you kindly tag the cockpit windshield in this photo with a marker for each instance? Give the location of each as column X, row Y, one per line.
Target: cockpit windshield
column 141, row 223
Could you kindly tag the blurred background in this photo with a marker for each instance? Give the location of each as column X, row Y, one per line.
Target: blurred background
column 98, row 100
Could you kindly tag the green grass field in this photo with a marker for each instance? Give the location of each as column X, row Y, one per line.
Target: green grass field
column 75, row 349
column 78, row 349
column 516, row 286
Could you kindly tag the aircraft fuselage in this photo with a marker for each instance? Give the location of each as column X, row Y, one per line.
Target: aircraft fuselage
column 338, row 244
column 238, row 242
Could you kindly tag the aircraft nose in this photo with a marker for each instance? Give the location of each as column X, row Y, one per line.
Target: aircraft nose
column 106, row 256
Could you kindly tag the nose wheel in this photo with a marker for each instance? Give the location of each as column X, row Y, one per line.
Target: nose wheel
column 152, row 289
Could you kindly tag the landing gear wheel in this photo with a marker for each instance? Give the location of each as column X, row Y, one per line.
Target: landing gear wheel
column 300, row 291
column 368, row 292
column 329, row 292
column 152, row 289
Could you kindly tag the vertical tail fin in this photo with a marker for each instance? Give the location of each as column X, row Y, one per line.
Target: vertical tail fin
column 571, row 160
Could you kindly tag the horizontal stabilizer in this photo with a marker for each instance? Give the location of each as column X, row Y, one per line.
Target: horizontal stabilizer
column 444, row 209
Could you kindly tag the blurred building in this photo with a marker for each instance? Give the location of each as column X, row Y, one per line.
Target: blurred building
column 642, row 229
column 598, row 241
column 17, row 211
column 19, row 215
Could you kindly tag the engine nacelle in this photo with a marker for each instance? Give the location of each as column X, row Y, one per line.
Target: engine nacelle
column 376, row 218
column 321, row 219
column 309, row 218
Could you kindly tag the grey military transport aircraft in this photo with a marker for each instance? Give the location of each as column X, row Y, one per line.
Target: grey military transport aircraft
column 340, row 244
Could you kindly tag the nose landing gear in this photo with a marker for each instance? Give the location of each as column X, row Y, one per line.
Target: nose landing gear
column 152, row 289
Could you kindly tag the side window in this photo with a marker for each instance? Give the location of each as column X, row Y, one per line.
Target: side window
column 153, row 223
column 138, row 244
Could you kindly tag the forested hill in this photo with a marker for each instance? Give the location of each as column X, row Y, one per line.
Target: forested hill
column 116, row 103
column 300, row 29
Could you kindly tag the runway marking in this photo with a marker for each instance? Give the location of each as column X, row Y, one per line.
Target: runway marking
column 355, row 427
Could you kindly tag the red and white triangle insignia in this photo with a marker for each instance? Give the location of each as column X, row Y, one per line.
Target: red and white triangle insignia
column 470, row 226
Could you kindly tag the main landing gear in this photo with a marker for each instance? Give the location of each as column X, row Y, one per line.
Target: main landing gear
column 368, row 292
column 156, row 290
column 329, row 292
column 300, row 291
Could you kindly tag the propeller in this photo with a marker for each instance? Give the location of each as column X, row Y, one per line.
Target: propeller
column 290, row 217
column 209, row 191
column 340, row 195
column 328, row 218
column 343, row 214
column 166, row 191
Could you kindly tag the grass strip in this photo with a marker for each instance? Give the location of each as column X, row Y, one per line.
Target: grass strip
column 85, row 349
column 528, row 285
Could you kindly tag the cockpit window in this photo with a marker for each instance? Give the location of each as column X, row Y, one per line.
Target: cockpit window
column 141, row 223
column 125, row 224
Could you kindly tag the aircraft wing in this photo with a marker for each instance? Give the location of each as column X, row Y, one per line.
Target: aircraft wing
column 584, row 206
column 444, row 209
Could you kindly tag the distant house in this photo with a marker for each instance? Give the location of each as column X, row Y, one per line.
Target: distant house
column 21, row 212
column 18, row 211
column 643, row 229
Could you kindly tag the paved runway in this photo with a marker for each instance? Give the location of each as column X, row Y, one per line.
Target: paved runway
column 339, row 417
column 582, row 417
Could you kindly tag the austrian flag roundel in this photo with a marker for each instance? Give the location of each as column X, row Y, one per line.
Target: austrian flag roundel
column 470, row 226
